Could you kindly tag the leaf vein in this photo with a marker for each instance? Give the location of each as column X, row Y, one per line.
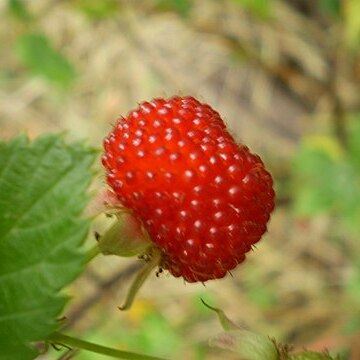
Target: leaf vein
column 32, row 205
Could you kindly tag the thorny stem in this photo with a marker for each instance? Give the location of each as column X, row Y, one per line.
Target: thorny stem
column 140, row 278
column 69, row 341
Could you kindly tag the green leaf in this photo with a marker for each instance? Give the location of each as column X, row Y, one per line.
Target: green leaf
column 354, row 143
column 261, row 8
column 326, row 179
column 263, row 296
column 314, row 173
column 331, row 7
column 352, row 22
column 97, row 10
column 18, row 9
column 39, row 56
column 150, row 335
column 144, row 329
column 42, row 194
column 182, row 7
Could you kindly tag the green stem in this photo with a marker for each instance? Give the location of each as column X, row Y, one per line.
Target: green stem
column 62, row 339
column 92, row 253
column 140, row 278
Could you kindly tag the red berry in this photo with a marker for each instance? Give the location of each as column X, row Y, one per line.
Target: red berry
column 203, row 199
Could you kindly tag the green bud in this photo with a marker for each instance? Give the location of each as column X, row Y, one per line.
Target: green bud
column 249, row 345
column 312, row 355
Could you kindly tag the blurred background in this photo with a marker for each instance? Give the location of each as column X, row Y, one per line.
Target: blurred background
column 285, row 75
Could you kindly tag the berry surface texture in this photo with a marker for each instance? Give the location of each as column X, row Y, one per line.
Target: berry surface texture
column 203, row 199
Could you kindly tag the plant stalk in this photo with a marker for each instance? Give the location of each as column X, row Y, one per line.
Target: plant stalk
column 140, row 278
column 66, row 340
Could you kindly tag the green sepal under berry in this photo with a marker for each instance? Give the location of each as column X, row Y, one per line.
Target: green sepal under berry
column 125, row 237
column 43, row 188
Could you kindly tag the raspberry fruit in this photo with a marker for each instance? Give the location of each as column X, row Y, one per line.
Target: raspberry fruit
column 203, row 199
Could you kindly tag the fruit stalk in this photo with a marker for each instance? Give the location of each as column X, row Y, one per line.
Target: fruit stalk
column 141, row 277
